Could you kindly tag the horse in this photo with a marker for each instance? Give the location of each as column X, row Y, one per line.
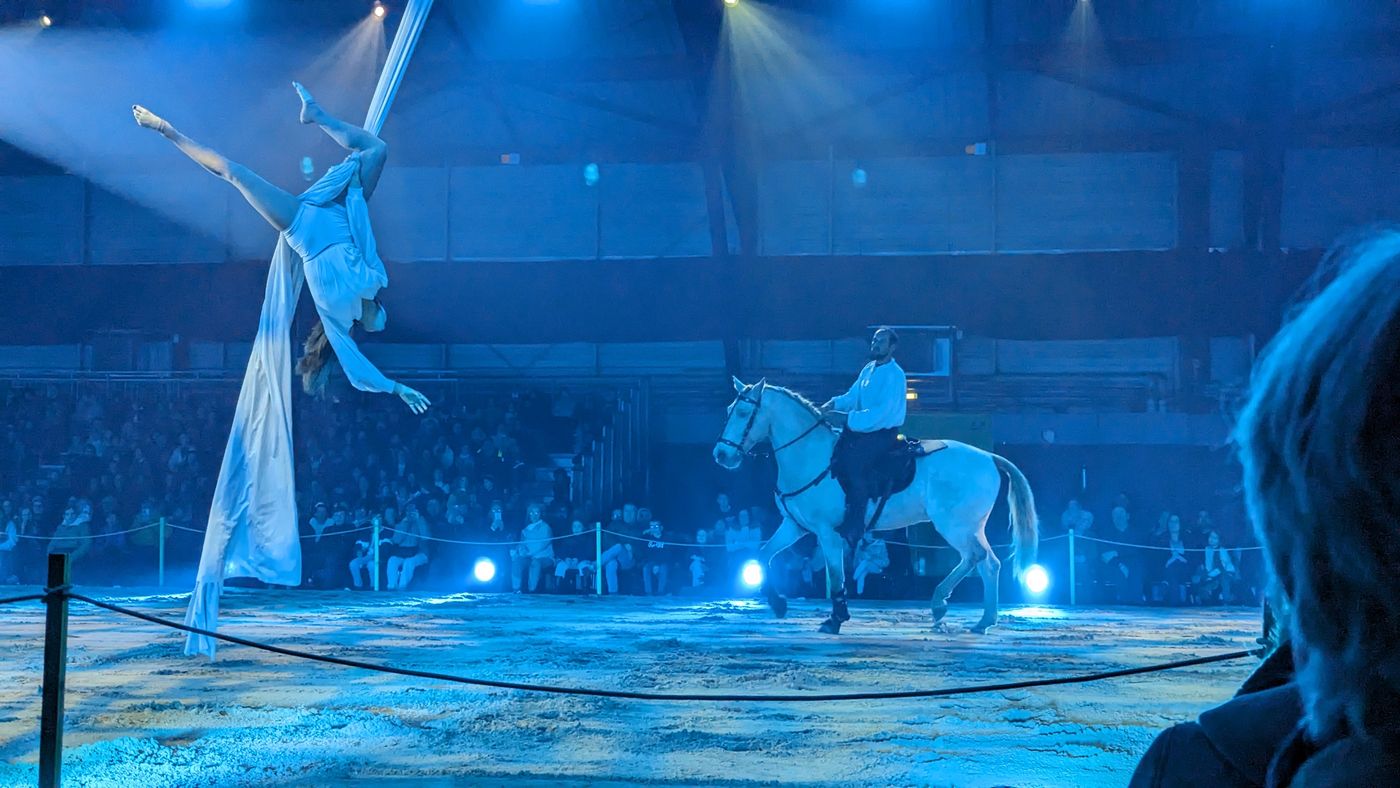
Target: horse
column 954, row 488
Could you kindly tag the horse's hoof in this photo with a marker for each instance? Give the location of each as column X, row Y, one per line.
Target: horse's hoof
column 981, row 629
column 939, row 613
column 779, row 607
column 830, row 627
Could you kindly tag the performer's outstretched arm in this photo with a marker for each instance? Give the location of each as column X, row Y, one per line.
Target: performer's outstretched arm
column 278, row 207
column 362, row 372
column 371, row 148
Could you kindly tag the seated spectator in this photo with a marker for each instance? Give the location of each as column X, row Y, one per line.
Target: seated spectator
column 73, row 535
column 1322, row 485
column 656, row 557
column 575, row 555
column 1216, row 578
column 1076, row 518
column 408, row 548
column 535, row 553
column 618, row 551
column 717, row 558
column 1174, row 576
column 1120, row 567
column 498, row 543
column 364, row 548
column 814, row 570
column 109, row 554
column 698, row 559
column 9, row 542
column 872, row 558
column 325, row 547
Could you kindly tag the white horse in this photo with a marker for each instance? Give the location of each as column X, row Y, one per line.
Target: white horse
column 954, row 487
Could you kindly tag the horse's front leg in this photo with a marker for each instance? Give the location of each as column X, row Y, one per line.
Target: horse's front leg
column 833, row 550
column 787, row 533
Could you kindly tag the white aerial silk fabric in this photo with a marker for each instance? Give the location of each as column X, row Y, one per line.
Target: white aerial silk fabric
column 252, row 530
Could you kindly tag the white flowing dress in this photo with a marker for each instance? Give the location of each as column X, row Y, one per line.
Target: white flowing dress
column 252, row 529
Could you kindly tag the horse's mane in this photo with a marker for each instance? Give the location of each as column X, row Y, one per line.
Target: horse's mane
column 798, row 398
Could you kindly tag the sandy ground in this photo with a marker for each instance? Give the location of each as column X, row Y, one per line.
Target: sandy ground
column 139, row 713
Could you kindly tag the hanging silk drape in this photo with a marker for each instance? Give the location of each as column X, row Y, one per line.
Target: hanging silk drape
column 252, row 529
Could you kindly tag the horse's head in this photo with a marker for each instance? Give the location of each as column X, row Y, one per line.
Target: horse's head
column 746, row 426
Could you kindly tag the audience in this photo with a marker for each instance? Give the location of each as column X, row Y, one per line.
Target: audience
column 535, row 552
column 124, row 460
column 872, row 558
column 408, row 548
column 656, row 560
column 574, row 555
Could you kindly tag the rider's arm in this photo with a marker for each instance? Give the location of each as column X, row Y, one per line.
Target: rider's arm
column 848, row 400
column 884, row 401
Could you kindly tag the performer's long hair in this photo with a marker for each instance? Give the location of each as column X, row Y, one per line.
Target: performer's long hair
column 1317, row 439
column 314, row 365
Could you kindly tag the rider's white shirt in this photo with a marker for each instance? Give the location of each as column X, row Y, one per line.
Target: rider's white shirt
column 876, row 401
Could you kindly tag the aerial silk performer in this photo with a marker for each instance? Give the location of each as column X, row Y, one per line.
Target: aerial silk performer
column 325, row 241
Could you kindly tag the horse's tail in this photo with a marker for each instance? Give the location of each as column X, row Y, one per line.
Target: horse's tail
column 1025, row 535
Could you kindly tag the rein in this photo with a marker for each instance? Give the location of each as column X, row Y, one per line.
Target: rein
column 783, row 497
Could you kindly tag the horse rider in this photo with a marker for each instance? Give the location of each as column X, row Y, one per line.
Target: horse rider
column 871, row 413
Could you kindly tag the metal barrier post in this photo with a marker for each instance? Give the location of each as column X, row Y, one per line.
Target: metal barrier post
column 160, row 535
column 598, row 560
column 1073, row 591
column 374, row 571
column 55, row 664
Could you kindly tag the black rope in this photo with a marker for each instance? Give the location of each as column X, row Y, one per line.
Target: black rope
column 27, row 598
column 625, row 695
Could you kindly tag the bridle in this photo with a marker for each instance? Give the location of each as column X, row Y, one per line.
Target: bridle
column 783, row 497
column 753, row 417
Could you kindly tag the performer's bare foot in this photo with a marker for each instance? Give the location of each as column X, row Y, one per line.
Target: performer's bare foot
column 149, row 119
column 310, row 111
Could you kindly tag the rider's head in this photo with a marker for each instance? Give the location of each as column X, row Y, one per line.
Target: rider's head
column 883, row 343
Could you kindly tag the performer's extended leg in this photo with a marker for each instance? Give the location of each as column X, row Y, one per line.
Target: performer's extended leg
column 278, row 207
column 349, row 136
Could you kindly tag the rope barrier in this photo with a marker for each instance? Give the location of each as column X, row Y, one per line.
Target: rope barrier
column 91, row 536
column 1160, row 547
column 302, row 536
column 586, row 534
column 678, row 696
column 26, row 598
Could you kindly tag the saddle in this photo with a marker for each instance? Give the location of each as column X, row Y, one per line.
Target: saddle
column 893, row 472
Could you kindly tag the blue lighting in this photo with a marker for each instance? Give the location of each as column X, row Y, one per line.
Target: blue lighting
column 1036, row 580
column 208, row 3
column 590, row 175
column 484, row 571
column 752, row 574
column 858, row 178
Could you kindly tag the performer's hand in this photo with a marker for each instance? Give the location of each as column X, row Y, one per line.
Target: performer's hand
column 828, row 405
column 836, row 418
column 416, row 402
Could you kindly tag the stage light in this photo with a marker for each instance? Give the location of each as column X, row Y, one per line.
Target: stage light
column 1037, row 580
column 859, row 178
column 45, row 21
column 380, row 10
column 484, row 571
column 731, row 3
column 590, row 175
column 209, row 3
column 752, row 574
